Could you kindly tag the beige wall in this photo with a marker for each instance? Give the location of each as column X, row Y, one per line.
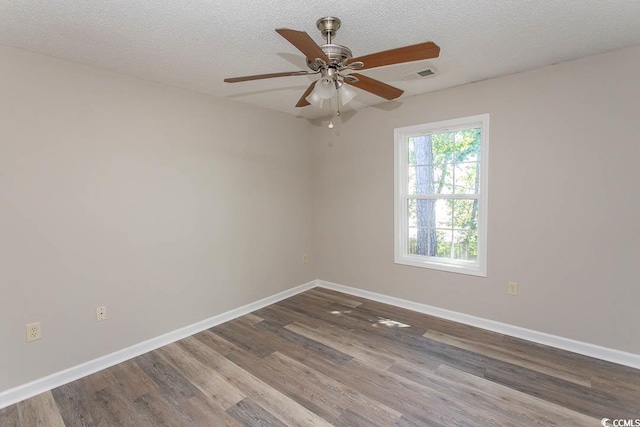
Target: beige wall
column 563, row 201
column 168, row 206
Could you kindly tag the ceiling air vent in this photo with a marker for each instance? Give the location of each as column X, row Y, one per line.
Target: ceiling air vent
column 420, row 74
column 427, row 72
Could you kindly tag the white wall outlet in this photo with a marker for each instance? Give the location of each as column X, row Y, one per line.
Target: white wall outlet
column 101, row 313
column 305, row 259
column 33, row 332
column 512, row 288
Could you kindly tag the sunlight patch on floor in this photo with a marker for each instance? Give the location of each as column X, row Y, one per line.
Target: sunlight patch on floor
column 392, row 323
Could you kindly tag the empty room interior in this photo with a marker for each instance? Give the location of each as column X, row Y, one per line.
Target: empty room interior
column 319, row 213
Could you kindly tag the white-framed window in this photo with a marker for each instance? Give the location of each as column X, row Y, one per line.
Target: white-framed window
column 441, row 185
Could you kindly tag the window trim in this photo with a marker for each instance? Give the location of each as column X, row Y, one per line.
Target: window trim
column 400, row 215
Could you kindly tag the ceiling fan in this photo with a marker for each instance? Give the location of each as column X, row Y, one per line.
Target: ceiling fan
column 334, row 61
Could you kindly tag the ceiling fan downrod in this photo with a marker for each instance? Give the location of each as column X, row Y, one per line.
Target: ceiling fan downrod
column 328, row 26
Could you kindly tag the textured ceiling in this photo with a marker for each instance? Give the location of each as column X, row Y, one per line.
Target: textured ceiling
column 195, row 44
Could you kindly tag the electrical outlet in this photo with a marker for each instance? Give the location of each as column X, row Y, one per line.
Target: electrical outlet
column 33, row 332
column 512, row 288
column 101, row 313
column 305, row 259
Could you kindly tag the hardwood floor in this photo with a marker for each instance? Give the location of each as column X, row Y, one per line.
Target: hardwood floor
column 325, row 358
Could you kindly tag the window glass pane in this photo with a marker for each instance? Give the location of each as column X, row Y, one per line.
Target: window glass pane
column 411, row 177
column 473, row 156
column 422, row 241
column 465, row 214
column 412, row 235
column 443, row 179
column 445, row 240
column 431, row 223
column 442, row 145
column 411, row 148
column 431, row 149
column 430, row 213
column 465, row 245
column 466, row 178
column 443, row 213
column 417, row 184
column 433, row 179
column 420, row 150
column 412, row 213
column 467, row 145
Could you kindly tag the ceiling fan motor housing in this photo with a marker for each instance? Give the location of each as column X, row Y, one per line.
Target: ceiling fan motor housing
column 337, row 54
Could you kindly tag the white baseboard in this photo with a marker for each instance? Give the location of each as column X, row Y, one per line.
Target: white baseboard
column 591, row 350
column 17, row 394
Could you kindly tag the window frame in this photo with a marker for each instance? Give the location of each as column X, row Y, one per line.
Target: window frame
column 401, row 196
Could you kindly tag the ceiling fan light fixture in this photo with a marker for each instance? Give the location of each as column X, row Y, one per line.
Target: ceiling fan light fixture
column 314, row 99
column 325, row 88
column 346, row 94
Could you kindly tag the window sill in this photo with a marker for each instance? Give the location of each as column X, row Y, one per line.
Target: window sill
column 471, row 270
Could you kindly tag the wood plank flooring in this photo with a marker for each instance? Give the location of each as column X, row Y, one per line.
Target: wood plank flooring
column 324, row 358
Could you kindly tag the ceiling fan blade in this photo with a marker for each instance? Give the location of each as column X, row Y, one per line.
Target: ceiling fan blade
column 302, row 102
column 376, row 87
column 266, row 76
column 304, row 43
column 411, row 53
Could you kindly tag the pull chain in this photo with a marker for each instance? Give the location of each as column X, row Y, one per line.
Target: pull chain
column 337, row 97
column 330, row 126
